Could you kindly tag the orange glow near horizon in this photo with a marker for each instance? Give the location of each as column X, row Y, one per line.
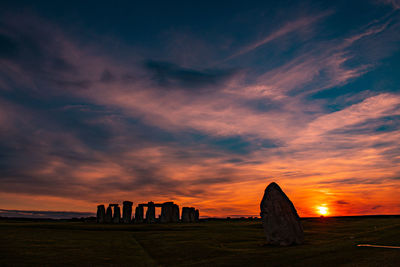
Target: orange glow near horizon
column 323, row 210
column 234, row 200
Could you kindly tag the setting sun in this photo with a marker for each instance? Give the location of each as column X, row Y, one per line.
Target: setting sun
column 322, row 210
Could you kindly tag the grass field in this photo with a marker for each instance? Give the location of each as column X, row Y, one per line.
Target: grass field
column 329, row 242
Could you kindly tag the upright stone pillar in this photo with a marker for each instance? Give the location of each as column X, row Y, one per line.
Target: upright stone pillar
column 101, row 214
column 197, row 215
column 139, row 214
column 169, row 212
column 117, row 214
column 281, row 222
column 188, row 215
column 192, row 215
column 151, row 213
column 127, row 212
column 175, row 213
column 108, row 218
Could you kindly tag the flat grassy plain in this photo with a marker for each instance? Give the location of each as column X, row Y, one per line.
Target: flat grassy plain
column 329, row 242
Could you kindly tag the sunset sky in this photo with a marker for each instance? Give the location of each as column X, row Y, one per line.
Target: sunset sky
column 203, row 103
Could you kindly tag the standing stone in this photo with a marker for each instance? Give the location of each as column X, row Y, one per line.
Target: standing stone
column 127, row 212
column 197, row 215
column 169, row 212
column 175, row 213
column 151, row 212
column 188, row 215
column 192, row 215
column 185, row 214
column 117, row 214
column 139, row 214
column 281, row 222
column 108, row 218
column 101, row 214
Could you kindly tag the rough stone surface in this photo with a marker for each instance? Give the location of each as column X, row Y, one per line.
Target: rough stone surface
column 151, row 212
column 117, row 214
column 127, row 212
column 139, row 214
column 281, row 222
column 188, row 215
column 108, row 218
column 101, row 214
column 192, row 215
column 169, row 212
column 185, row 214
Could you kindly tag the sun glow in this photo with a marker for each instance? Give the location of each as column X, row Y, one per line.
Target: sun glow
column 322, row 210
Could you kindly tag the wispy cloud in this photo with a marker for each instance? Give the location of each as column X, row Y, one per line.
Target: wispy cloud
column 373, row 107
column 287, row 28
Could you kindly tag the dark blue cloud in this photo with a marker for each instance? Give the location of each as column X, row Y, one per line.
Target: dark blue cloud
column 168, row 75
column 236, row 144
column 8, row 47
column 372, row 126
column 107, row 76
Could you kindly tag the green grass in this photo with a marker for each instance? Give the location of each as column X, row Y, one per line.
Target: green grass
column 329, row 242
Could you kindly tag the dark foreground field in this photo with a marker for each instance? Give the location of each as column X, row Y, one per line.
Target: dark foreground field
column 329, row 242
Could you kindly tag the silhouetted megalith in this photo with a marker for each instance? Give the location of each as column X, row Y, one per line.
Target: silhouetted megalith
column 281, row 222
column 139, row 214
column 151, row 212
column 101, row 214
column 117, row 214
column 192, row 214
column 188, row 214
column 196, row 215
column 108, row 218
column 127, row 212
column 169, row 212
